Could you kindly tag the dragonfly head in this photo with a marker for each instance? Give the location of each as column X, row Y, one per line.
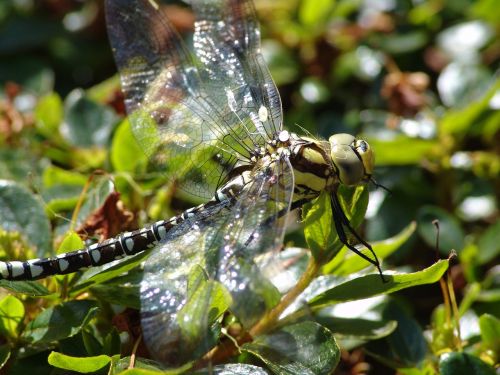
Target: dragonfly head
column 353, row 158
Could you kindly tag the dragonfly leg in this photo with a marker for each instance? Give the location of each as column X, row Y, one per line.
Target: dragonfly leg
column 340, row 221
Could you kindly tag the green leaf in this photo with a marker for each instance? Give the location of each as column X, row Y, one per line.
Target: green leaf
column 99, row 275
column 371, row 285
column 352, row 263
column 99, row 190
column 302, row 348
column 414, row 150
column 319, row 231
column 312, row 13
column 71, row 242
column 103, row 91
column 489, row 244
column 407, row 344
column 354, row 201
column 86, row 123
column 11, row 315
column 360, row 328
column 472, row 117
column 451, row 235
column 126, row 155
column 48, row 114
column 251, row 303
column 4, row 355
column 59, row 322
column 397, row 43
column 485, row 9
column 112, row 342
column 91, row 344
column 210, row 300
column 233, row 369
column 31, row 364
column 123, row 290
column 319, row 228
column 61, row 198
column 426, row 369
column 141, row 371
column 54, row 176
column 18, row 164
column 142, row 366
column 490, row 333
column 32, row 288
column 21, row 211
column 83, row 365
column 463, row 364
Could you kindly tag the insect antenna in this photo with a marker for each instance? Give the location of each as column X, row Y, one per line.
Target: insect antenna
column 377, row 185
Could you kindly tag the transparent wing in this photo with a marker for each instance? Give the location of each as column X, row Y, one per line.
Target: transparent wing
column 227, row 43
column 214, row 264
column 195, row 115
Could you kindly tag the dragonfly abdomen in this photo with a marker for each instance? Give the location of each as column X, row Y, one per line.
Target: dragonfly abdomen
column 126, row 244
column 95, row 255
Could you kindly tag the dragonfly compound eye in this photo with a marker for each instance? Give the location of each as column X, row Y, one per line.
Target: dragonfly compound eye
column 352, row 158
column 367, row 156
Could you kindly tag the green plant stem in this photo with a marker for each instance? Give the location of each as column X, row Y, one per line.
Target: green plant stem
column 456, row 314
column 268, row 322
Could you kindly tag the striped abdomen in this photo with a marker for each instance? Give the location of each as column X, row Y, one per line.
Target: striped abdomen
column 126, row 244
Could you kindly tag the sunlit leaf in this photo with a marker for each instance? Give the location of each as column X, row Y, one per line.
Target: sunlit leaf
column 312, row 13
column 372, row 285
column 302, row 348
column 11, row 315
column 126, row 155
column 48, row 114
column 71, row 242
column 54, row 176
column 32, row 288
column 83, row 365
column 387, row 153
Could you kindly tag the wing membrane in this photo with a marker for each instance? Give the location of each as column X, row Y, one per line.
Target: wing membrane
column 215, row 262
column 206, row 110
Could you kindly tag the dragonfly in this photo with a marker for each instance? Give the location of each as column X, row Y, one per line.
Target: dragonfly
column 210, row 117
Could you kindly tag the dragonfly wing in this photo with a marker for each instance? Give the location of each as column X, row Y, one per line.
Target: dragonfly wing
column 227, row 43
column 169, row 279
column 253, row 238
column 197, row 115
column 212, row 264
